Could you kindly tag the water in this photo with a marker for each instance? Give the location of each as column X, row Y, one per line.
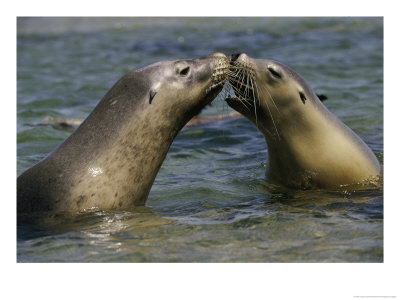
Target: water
column 210, row 201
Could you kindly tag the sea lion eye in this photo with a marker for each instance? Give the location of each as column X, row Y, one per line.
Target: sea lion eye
column 184, row 71
column 274, row 72
column 302, row 97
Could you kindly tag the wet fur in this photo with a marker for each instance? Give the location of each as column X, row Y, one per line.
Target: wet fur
column 308, row 146
column 111, row 160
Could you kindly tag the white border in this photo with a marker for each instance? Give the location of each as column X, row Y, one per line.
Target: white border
column 199, row 281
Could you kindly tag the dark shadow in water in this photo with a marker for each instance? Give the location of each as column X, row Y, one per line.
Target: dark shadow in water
column 48, row 224
column 365, row 202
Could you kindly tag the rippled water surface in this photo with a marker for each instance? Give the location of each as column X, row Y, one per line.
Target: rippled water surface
column 210, row 201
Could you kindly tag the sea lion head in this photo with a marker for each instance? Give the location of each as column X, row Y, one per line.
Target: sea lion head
column 166, row 94
column 181, row 88
column 269, row 91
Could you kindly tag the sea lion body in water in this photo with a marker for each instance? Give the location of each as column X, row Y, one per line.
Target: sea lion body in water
column 111, row 160
column 307, row 145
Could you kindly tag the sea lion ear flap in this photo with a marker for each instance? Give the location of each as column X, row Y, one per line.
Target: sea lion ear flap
column 322, row 97
column 153, row 91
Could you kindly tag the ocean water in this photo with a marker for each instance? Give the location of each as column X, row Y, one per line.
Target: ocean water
column 210, row 201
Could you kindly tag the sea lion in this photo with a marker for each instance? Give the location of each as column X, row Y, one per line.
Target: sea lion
column 308, row 147
column 111, row 160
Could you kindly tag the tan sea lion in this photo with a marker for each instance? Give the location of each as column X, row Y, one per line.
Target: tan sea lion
column 307, row 145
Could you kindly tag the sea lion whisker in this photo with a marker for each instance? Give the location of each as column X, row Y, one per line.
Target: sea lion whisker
column 246, row 87
column 226, row 91
column 249, row 87
column 239, row 87
column 243, row 99
column 272, row 99
column 254, row 100
column 233, row 74
column 239, row 82
column 272, row 118
column 256, row 92
column 243, row 102
column 238, row 92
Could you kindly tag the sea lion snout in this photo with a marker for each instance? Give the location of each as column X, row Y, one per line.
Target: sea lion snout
column 220, row 69
column 237, row 57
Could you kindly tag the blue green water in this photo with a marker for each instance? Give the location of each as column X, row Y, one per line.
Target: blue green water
column 210, row 201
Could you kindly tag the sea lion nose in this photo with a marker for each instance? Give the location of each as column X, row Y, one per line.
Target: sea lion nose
column 234, row 57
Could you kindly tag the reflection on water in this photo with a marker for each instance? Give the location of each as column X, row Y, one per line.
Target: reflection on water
column 88, row 236
column 280, row 227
